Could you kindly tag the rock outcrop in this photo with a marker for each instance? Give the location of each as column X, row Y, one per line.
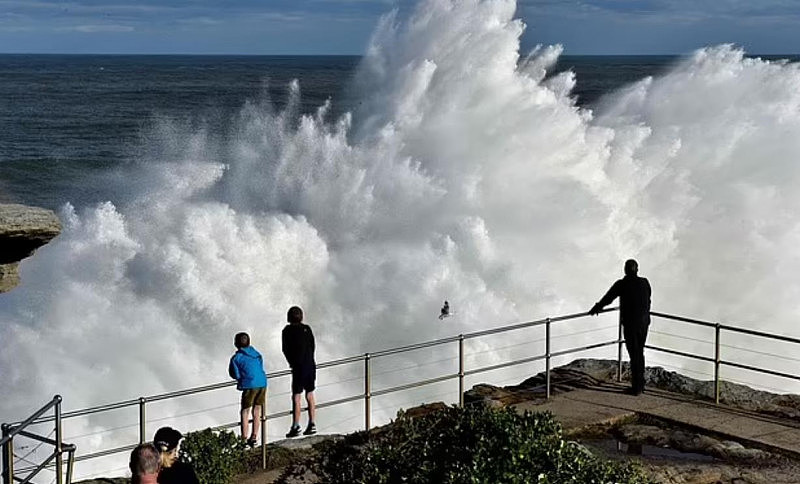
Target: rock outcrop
column 23, row 229
column 685, row 441
column 584, row 373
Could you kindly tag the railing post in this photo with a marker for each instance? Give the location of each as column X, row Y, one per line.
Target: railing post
column 264, row 432
column 547, row 358
column 717, row 360
column 59, row 438
column 461, row 370
column 367, row 394
column 142, row 417
column 8, row 457
column 619, row 354
column 70, row 463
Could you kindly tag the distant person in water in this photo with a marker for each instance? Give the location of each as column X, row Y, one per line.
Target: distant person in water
column 144, row 464
column 172, row 471
column 634, row 316
column 297, row 342
column 247, row 368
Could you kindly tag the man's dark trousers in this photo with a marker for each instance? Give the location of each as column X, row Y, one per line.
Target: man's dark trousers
column 635, row 336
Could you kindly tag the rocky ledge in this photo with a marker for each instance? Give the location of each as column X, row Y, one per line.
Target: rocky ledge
column 23, row 229
column 584, row 373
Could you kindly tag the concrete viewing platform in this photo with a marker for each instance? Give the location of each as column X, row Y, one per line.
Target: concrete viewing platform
column 607, row 403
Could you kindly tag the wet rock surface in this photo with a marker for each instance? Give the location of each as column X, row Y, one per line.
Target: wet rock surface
column 584, row 373
column 685, row 441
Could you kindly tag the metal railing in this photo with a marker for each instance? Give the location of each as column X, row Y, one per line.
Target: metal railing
column 59, row 447
column 717, row 358
column 367, row 360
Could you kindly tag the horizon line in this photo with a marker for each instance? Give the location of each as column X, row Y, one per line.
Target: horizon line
column 140, row 54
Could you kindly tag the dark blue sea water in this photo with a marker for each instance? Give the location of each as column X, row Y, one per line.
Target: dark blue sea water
column 67, row 120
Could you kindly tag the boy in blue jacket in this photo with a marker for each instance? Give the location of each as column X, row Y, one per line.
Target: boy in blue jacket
column 247, row 368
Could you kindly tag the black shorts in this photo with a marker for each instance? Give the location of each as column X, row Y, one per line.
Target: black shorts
column 303, row 379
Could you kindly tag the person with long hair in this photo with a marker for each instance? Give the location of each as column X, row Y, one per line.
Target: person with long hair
column 173, row 470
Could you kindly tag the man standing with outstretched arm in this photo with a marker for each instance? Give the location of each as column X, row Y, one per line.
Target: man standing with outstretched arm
column 297, row 342
column 634, row 316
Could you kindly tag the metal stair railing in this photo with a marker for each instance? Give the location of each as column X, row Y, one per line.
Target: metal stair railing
column 59, row 447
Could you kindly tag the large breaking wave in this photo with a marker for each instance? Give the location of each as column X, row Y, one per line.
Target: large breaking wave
column 466, row 173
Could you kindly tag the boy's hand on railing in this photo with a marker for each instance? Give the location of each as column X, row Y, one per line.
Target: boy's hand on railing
column 595, row 310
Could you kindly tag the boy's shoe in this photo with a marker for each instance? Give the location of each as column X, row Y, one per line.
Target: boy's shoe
column 311, row 429
column 293, row 432
column 251, row 442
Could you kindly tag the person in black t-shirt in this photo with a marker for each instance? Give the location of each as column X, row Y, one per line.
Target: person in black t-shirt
column 634, row 316
column 297, row 343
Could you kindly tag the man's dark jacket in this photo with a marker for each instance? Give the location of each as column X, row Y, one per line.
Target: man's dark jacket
column 298, row 345
column 634, row 300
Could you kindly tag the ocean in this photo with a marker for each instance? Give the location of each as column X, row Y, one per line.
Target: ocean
column 67, row 120
column 203, row 196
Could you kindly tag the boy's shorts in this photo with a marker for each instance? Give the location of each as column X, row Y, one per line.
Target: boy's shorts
column 303, row 379
column 253, row 396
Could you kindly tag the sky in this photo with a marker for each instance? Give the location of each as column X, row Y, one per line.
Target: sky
column 307, row 27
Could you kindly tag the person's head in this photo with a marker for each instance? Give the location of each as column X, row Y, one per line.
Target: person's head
column 631, row 267
column 166, row 441
column 241, row 340
column 295, row 315
column 144, row 462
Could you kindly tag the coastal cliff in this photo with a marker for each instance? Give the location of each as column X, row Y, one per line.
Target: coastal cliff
column 23, row 229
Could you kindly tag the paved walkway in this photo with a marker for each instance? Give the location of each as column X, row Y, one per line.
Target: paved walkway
column 607, row 403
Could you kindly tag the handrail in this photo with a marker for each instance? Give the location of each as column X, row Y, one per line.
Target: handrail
column 684, row 319
column 368, row 393
column 761, row 334
column 717, row 359
column 726, row 327
column 350, row 359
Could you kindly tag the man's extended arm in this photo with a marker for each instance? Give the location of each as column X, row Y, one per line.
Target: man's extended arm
column 612, row 294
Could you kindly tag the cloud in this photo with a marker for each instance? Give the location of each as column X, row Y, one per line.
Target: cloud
column 16, row 28
column 91, row 29
column 667, row 10
column 78, row 8
column 199, row 21
column 281, row 17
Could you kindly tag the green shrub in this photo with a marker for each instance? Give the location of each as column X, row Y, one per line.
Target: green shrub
column 467, row 445
column 215, row 455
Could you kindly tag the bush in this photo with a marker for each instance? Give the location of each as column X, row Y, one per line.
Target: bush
column 467, row 445
column 216, row 456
